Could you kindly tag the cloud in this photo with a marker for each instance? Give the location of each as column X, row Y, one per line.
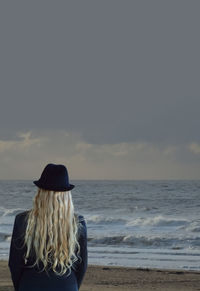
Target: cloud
column 194, row 148
column 25, row 156
column 25, row 142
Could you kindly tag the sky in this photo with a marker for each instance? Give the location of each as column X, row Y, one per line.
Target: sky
column 109, row 88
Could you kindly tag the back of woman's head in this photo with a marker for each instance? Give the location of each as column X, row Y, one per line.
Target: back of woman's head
column 52, row 230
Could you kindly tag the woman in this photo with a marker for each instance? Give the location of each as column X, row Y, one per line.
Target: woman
column 48, row 248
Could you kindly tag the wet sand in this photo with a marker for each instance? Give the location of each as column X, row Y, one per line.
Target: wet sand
column 104, row 278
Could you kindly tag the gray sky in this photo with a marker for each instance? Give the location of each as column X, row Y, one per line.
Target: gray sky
column 110, row 88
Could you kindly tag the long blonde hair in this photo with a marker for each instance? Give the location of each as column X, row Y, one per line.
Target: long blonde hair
column 52, row 231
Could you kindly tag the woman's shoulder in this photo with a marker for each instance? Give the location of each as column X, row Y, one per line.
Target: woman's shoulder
column 23, row 213
column 22, row 216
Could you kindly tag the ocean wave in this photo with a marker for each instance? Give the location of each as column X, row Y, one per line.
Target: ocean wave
column 137, row 222
column 195, row 229
column 99, row 219
column 192, row 227
column 138, row 251
column 145, row 241
column 157, row 221
column 4, row 236
column 10, row 212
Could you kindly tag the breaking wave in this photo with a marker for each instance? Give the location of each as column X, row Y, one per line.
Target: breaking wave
column 157, row 221
column 192, row 227
column 144, row 241
column 150, row 221
column 4, row 236
column 98, row 219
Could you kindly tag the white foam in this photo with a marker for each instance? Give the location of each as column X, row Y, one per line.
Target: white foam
column 157, row 221
column 99, row 219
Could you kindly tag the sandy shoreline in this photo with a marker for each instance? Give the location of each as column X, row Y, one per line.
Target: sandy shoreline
column 120, row 278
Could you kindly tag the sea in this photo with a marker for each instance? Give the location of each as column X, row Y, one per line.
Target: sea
column 142, row 224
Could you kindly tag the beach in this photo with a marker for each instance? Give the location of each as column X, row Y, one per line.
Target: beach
column 121, row 278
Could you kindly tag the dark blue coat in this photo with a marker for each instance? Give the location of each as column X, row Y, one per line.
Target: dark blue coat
column 26, row 278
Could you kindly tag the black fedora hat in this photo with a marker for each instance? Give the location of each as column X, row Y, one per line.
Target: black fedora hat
column 54, row 178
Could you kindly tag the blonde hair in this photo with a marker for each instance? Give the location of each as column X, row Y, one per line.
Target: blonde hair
column 52, row 230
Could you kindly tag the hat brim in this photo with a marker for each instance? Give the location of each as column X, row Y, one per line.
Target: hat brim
column 58, row 189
